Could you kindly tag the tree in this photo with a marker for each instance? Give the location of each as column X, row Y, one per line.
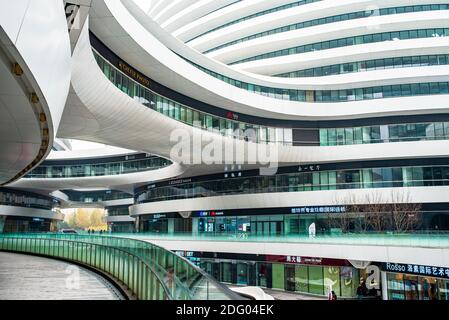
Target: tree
column 82, row 219
column 378, row 213
column 97, row 218
column 405, row 215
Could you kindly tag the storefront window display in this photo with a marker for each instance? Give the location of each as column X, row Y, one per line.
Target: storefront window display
column 332, row 279
column 304, row 275
column 316, row 280
column 226, row 272
column 278, row 274
column 412, row 287
column 262, row 270
column 242, row 274
column 258, row 225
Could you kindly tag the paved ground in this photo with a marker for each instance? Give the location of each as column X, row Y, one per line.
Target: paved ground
column 25, row 277
column 283, row 295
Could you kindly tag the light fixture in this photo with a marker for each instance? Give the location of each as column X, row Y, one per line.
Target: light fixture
column 34, row 98
column 17, row 69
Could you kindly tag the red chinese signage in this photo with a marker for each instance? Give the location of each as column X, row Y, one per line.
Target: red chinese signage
column 308, row 260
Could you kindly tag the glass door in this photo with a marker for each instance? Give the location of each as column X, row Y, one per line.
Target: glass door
column 290, row 277
column 242, row 274
column 261, row 276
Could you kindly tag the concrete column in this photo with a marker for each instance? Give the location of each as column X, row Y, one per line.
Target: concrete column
column 286, row 226
column 195, row 226
column 171, row 226
column 384, row 285
column 2, row 223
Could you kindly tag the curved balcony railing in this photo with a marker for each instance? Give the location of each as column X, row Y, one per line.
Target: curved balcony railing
column 252, row 132
column 369, row 178
column 19, row 198
column 148, row 271
column 402, row 239
column 370, row 65
column 187, row 115
column 255, row 15
column 96, row 196
column 53, row 170
column 336, row 18
column 351, row 41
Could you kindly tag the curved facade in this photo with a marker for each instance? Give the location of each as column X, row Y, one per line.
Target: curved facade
column 22, row 211
column 266, row 122
column 35, row 82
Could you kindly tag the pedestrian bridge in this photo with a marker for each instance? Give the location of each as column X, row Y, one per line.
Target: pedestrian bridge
column 25, row 277
column 147, row 271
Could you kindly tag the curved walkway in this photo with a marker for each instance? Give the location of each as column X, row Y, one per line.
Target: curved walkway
column 24, row 277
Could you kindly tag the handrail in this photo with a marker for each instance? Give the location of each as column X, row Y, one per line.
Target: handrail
column 149, row 271
column 401, row 239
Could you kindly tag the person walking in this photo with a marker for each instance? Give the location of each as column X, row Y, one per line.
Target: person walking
column 333, row 295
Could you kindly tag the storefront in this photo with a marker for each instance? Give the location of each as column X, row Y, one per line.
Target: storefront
column 28, row 224
column 415, row 282
column 122, row 227
column 257, row 225
column 266, row 221
column 295, row 274
column 167, row 223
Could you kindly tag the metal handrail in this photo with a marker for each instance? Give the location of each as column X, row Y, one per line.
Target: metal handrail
column 141, row 254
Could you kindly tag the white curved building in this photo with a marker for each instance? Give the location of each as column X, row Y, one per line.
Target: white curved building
column 263, row 122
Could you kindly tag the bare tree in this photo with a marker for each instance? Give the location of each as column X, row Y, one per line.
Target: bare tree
column 397, row 213
column 345, row 219
column 405, row 215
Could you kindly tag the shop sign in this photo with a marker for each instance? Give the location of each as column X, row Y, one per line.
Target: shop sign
column 232, row 116
column 186, row 254
column 429, row 271
column 180, row 181
column 307, row 260
column 311, row 168
column 232, row 175
column 311, row 210
column 125, row 68
column 210, row 213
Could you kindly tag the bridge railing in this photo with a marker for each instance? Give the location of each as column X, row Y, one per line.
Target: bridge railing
column 148, row 271
column 402, row 239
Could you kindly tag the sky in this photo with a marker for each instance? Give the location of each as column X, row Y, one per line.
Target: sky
column 84, row 145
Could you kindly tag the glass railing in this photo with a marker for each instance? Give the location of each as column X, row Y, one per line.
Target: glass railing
column 148, row 271
column 192, row 117
column 367, row 178
column 258, row 14
column 344, row 95
column 172, row 109
column 118, row 211
column 370, row 65
column 336, row 18
column 96, row 196
column 48, row 171
column 414, row 239
column 384, row 134
column 10, row 197
column 351, row 41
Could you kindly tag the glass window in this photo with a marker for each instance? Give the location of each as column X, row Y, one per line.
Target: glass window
column 332, row 275
column 301, row 279
column 323, row 137
column 316, row 280
column 278, row 277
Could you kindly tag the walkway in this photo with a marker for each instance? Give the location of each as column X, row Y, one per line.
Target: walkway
column 25, row 277
column 284, row 295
